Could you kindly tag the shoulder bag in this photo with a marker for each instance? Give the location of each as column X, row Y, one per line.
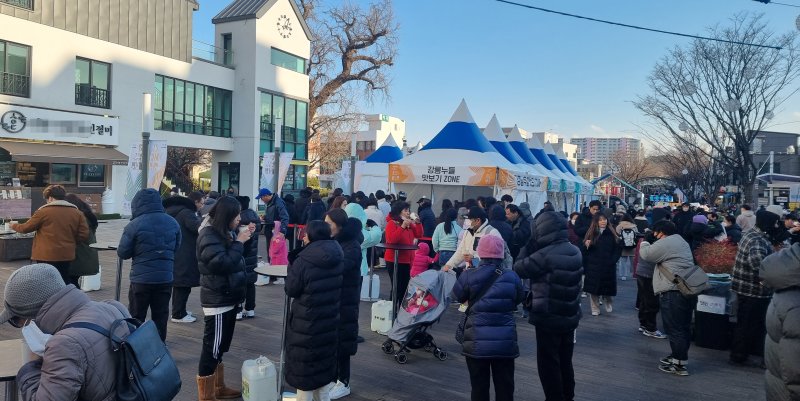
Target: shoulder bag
column 463, row 323
column 690, row 282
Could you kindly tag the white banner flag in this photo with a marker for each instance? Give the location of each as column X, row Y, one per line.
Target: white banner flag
column 283, row 168
column 268, row 167
column 157, row 163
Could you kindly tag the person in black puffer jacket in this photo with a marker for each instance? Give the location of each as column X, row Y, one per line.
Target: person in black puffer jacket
column 220, row 250
column 601, row 251
column 347, row 232
column 497, row 219
column 490, row 332
column 315, row 211
column 426, row 217
column 186, row 275
column 554, row 267
column 315, row 283
column 248, row 216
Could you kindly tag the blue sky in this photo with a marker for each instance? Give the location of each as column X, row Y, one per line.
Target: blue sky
column 541, row 71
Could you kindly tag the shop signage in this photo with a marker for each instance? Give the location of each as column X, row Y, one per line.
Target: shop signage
column 711, row 304
column 22, row 122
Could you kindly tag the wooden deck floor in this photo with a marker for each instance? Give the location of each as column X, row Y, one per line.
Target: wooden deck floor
column 612, row 360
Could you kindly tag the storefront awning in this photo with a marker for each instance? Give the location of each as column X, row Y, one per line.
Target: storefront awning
column 70, row 154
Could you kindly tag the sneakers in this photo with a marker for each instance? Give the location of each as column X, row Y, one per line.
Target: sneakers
column 655, row 334
column 583, row 295
column 339, row 390
column 279, row 281
column 624, row 278
column 609, row 307
column 675, row 369
column 246, row 314
column 240, row 316
column 186, row 319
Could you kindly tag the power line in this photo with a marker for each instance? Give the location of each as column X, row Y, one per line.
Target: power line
column 686, row 35
column 780, row 4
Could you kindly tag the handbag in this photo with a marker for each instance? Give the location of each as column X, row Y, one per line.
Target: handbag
column 463, row 322
column 690, row 282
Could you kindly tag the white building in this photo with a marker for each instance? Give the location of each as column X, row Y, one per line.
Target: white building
column 601, row 150
column 559, row 144
column 74, row 73
column 379, row 127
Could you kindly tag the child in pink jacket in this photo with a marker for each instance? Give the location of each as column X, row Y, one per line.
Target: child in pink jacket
column 421, row 260
column 278, row 252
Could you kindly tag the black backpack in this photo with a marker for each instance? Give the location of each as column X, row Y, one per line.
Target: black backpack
column 628, row 238
column 145, row 369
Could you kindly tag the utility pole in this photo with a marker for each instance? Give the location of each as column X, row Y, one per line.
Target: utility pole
column 147, row 126
column 353, row 159
column 277, row 163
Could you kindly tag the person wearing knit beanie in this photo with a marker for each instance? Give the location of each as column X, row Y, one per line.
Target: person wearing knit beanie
column 491, row 247
column 27, row 289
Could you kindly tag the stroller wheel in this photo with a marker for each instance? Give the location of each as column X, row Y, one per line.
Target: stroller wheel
column 387, row 348
column 401, row 358
column 440, row 354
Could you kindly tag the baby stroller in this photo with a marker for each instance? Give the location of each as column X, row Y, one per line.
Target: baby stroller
column 426, row 298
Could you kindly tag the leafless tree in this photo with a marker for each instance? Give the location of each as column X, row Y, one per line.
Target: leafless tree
column 181, row 161
column 352, row 51
column 704, row 175
column 630, row 167
column 713, row 97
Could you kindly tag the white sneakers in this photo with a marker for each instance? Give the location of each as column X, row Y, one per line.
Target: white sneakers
column 186, row 319
column 339, row 390
column 246, row 314
column 279, row 281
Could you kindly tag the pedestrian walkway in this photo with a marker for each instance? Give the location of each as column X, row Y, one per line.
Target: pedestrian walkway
column 613, row 361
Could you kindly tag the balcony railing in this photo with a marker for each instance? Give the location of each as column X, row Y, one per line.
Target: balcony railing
column 16, row 85
column 19, row 3
column 212, row 53
column 92, row 96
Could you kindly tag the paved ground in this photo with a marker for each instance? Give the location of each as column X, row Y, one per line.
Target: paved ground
column 612, row 360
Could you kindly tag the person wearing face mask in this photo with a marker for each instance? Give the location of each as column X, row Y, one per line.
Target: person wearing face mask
column 400, row 229
column 682, row 220
column 732, row 230
column 753, row 296
column 77, row 363
column 467, row 249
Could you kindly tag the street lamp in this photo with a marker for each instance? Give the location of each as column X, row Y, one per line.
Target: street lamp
column 147, row 126
column 685, row 173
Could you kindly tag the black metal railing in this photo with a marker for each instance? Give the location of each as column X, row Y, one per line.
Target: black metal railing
column 19, row 3
column 92, row 96
column 16, row 85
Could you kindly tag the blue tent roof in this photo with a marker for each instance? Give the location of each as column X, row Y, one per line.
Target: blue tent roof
column 388, row 152
column 566, row 164
column 518, row 144
column 461, row 133
column 494, row 133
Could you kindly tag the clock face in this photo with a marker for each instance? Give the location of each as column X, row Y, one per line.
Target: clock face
column 284, row 26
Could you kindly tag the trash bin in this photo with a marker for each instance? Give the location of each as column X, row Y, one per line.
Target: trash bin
column 712, row 326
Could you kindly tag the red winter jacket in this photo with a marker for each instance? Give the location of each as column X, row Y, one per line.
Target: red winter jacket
column 396, row 234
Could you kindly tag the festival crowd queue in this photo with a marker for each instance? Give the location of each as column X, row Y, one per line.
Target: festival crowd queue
column 509, row 264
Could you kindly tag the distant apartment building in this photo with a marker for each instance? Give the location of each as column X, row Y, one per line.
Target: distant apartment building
column 601, row 150
column 589, row 171
column 379, row 127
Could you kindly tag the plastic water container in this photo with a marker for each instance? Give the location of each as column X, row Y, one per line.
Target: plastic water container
column 376, row 288
column 91, row 283
column 259, row 380
column 381, row 317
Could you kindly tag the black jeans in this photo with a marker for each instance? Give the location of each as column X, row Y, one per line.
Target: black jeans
column 648, row 303
column 180, row 295
column 343, row 369
column 217, row 336
column 748, row 335
column 554, row 362
column 63, row 270
column 403, row 277
column 250, row 297
column 499, row 370
column 676, row 315
column 154, row 297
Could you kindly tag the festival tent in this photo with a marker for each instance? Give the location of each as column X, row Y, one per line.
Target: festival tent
column 459, row 163
column 586, row 188
column 374, row 173
column 518, row 144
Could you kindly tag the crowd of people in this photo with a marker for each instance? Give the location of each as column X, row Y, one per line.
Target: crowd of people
column 509, row 263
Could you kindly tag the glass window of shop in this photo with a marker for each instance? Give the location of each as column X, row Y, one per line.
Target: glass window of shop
column 192, row 108
column 289, row 61
column 294, row 116
column 34, row 174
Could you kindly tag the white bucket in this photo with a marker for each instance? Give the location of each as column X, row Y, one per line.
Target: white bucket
column 381, row 317
column 91, row 283
column 259, row 380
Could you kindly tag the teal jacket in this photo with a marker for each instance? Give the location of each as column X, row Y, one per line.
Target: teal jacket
column 372, row 235
column 444, row 242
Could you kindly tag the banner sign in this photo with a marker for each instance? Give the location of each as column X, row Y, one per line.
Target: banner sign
column 268, row 170
column 156, row 165
column 33, row 123
column 794, row 193
column 463, row 175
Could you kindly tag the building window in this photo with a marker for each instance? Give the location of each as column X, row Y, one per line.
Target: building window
column 92, row 83
column 15, row 67
column 63, row 173
column 92, row 175
column 227, row 49
column 19, row 3
column 288, row 61
column 192, row 108
column 294, row 122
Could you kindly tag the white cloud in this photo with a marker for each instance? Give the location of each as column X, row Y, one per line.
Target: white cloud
column 597, row 129
column 796, row 114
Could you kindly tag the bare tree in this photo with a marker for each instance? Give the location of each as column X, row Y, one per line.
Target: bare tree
column 352, row 51
column 181, row 161
column 713, row 97
column 704, row 175
column 630, row 167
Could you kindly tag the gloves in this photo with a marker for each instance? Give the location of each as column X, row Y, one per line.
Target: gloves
column 371, row 223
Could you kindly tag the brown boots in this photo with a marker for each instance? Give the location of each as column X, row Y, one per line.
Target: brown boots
column 212, row 388
column 205, row 388
column 221, row 391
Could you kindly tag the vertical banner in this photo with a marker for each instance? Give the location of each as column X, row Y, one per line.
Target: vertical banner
column 267, row 167
column 283, row 168
column 344, row 177
column 268, row 170
column 156, row 165
column 360, row 165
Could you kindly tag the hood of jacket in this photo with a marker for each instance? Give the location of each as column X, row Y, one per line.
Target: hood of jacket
column 146, row 201
column 497, row 212
column 748, row 213
column 626, row 224
column 525, row 208
column 179, row 202
column 58, row 203
column 58, row 309
column 782, row 270
column 351, row 231
column 355, row 210
column 549, row 228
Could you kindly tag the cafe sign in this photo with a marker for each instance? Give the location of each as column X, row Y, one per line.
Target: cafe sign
column 33, row 123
